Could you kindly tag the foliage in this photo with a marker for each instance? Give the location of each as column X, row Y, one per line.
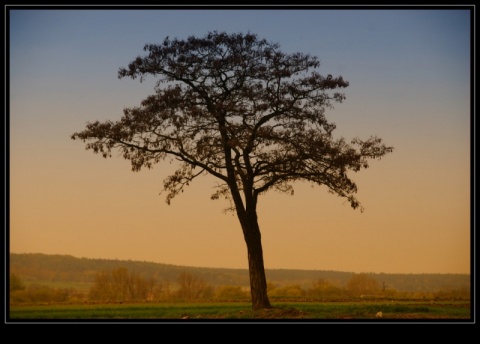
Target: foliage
column 35, row 293
column 16, row 283
column 362, row 284
column 122, row 285
column 288, row 291
column 325, row 289
column 61, row 271
column 230, row 292
column 235, row 94
column 192, row 287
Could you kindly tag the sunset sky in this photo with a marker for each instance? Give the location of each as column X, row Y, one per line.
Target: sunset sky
column 409, row 73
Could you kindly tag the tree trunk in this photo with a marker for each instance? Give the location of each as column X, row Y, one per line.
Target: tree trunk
column 247, row 216
column 258, row 281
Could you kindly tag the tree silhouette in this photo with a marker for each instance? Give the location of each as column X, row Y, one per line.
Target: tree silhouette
column 235, row 107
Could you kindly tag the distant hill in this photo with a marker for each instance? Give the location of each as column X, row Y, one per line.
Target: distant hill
column 43, row 267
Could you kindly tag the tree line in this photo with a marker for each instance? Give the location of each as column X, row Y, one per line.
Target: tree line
column 60, row 269
column 122, row 285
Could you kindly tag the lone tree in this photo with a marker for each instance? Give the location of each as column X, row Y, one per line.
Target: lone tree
column 236, row 107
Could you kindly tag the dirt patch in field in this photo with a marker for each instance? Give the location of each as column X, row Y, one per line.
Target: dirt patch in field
column 279, row 313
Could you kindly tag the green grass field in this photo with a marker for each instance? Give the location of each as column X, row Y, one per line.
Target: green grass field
column 316, row 311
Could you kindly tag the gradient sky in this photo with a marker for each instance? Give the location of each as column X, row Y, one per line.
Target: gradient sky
column 409, row 74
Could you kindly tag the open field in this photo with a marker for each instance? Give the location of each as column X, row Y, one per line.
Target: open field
column 224, row 311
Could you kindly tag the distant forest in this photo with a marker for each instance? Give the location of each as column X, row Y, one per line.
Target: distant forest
column 38, row 268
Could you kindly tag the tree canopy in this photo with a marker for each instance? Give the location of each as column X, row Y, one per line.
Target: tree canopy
column 241, row 93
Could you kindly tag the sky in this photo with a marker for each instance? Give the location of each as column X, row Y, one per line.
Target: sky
column 409, row 72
